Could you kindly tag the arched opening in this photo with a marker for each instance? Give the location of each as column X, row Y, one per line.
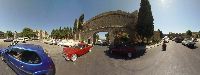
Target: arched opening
column 101, row 38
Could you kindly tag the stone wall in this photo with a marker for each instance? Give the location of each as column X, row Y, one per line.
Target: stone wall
column 110, row 22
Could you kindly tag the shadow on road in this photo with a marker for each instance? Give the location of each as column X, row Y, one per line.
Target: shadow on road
column 195, row 47
column 138, row 54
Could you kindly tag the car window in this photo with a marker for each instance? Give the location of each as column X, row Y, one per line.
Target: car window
column 30, row 57
column 79, row 46
column 12, row 53
column 25, row 56
column 15, row 52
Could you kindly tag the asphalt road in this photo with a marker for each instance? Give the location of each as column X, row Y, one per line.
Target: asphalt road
column 177, row 60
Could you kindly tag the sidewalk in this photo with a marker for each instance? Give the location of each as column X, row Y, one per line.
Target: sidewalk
column 152, row 46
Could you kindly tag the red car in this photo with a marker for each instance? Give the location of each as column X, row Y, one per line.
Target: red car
column 71, row 53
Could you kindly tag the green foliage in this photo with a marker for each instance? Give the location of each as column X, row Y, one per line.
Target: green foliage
column 96, row 36
column 161, row 34
column 189, row 33
column 62, row 33
column 9, row 34
column 107, row 35
column 75, row 25
column 80, row 22
column 145, row 27
column 27, row 32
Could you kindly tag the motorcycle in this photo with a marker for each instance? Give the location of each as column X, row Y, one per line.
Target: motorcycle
column 164, row 47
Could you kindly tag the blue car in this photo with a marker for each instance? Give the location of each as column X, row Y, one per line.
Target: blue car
column 28, row 59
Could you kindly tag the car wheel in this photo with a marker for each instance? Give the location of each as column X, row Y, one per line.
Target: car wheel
column 129, row 55
column 111, row 52
column 66, row 58
column 74, row 57
column 2, row 59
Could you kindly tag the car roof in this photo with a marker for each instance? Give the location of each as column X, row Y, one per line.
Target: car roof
column 28, row 47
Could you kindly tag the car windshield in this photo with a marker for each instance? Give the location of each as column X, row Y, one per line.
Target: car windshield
column 79, row 46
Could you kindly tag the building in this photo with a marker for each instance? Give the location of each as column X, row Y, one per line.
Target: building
column 156, row 37
column 195, row 34
column 2, row 35
column 40, row 34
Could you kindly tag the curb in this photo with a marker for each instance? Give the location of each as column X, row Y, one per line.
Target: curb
column 152, row 46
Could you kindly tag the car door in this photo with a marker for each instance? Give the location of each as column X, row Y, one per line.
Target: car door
column 29, row 61
column 80, row 50
column 84, row 49
column 12, row 61
column 7, row 57
column 87, row 48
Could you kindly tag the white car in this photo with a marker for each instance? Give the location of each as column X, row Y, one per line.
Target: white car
column 20, row 40
column 49, row 41
column 67, row 43
column 26, row 38
column 188, row 42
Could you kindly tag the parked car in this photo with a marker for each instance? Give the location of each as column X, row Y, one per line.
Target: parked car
column 26, row 38
column 35, row 38
column 174, row 38
column 184, row 42
column 71, row 53
column 50, row 42
column 195, row 39
column 105, row 43
column 102, row 43
column 99, row 42
column 20, row 40
column 28, row 59
column 8, row 40
column 123, row 48
column 66, row 43
column 188, row 42
column 46, row 41
column 178, row 39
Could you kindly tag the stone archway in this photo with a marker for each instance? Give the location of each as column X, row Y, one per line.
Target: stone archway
column 110, row 22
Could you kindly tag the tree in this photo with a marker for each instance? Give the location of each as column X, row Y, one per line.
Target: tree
column 96, row 36
column 65, row 32
column 161, row 34
column 145, row 27
column 9, row 34
column 75, row 25
column 70, row 32
column 27, row 32
column 107, row 36
column 80, row 22
column 189, row 33
column 55, row 33
column 198, row 34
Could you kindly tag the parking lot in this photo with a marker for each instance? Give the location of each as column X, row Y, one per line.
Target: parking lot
column 177, row 60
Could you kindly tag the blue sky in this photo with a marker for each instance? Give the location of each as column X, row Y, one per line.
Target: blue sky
column 169, row 15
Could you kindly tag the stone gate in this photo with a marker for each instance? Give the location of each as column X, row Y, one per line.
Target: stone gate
column 110, row 22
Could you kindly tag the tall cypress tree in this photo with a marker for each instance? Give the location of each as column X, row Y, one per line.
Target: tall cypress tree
column 75, row 25
column 80, row 22
column 145, row 27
